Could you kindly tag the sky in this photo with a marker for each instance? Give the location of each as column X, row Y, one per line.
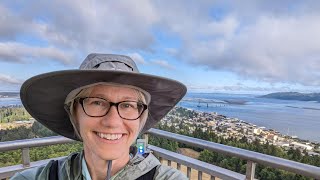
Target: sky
column 210, row 46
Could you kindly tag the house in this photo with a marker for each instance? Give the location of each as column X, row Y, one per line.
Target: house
column 301, row 146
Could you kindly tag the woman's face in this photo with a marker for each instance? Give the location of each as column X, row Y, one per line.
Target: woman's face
column 108, row 137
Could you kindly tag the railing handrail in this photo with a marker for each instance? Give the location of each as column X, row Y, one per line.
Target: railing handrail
column 272, row 161
column 36, row 142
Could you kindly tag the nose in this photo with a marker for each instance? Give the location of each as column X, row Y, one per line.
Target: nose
column 112, row 118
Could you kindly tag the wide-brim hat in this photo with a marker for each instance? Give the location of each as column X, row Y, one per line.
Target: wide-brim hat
column 43, row 96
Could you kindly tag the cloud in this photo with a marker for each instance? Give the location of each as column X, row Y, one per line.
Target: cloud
column 258, row 40
column 93, row 25
column 162, row 63
column 10, row 29
column 137, row 58
column 9, row 80
column 21, row 53
column 171, row 51
column 282, row 49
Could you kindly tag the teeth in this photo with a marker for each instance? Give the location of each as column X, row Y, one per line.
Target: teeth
column 109, row 136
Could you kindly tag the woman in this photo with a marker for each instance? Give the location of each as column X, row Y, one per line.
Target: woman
column 106, row 104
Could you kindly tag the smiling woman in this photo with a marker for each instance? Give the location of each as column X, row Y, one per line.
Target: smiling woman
column 106, row 104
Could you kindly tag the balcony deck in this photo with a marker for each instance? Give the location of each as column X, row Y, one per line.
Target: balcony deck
column 215, row 172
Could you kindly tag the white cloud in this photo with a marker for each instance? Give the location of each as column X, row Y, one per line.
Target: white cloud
column 162, row 63
column 172, row 51
column 21, row 53
column 6, row 79
column 273, row 49
column 82, row 28
column 137, row 58
column 259, row 40
column 95, row 25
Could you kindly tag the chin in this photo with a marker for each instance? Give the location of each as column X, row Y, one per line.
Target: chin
column 113, row 154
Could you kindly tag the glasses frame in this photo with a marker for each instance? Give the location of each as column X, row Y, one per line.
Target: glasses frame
column 80, row 100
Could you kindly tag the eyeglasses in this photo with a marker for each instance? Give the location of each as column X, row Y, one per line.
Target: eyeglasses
column 99, row 107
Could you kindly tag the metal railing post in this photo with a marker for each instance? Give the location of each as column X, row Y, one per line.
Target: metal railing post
column 250, row 170
column 25, row 157
column 179, row 166
column 188, row 172
column 199, row 175
column 146, row 137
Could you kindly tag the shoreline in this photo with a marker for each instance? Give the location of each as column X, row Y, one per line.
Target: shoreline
column 249, row 123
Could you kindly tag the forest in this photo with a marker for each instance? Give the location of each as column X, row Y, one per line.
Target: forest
column 13, row 113
column 235, row 164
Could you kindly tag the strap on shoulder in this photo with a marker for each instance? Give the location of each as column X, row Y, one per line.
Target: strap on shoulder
column 149, row 175
column 53, row 171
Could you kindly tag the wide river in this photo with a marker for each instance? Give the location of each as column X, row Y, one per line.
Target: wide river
column 299, row 118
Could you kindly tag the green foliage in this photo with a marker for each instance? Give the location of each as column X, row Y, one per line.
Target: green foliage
column 17, row 133
column 164, row 143
column 41, row 131
column 13, row 113
column 22, row 132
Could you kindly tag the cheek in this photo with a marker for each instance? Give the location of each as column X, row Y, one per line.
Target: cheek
column 133, row 127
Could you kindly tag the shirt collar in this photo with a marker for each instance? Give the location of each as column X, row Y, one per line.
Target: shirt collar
column 85, row 171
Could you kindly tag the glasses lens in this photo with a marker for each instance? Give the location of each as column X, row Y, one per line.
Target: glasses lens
column 95, row 106
column 98, row 107
column 130, row 109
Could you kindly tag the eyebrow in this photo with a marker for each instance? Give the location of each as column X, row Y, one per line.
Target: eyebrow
column 124, row 97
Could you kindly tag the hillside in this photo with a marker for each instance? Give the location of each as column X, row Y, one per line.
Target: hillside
column 294, row 96
column 9, row 94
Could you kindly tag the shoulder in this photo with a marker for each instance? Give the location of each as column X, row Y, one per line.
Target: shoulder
column 42, row 172
column 167, row 173
column 164, row 172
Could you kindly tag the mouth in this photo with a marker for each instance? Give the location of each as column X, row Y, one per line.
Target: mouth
column 110, row 136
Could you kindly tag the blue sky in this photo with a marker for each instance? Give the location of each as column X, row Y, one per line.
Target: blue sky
column 211, row 46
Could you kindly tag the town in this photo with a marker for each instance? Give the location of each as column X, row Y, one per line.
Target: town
column 227, row 127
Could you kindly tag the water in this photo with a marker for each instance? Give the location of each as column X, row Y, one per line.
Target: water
column 10, row 101
column 298, row 118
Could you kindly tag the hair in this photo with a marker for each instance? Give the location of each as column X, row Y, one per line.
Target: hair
column 86, row 92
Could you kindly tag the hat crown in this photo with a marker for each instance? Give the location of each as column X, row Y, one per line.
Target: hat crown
column 109, row 62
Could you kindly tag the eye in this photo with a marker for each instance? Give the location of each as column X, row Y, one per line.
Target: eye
column 95, row 102
column 99, row 103
column 128, row 105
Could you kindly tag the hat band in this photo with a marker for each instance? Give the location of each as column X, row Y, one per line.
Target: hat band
column 70, row 97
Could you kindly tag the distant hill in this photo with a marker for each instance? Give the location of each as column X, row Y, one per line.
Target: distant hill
column 294, row 96
column 9, row 94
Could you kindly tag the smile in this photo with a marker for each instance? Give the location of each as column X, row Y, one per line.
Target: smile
column 109, row 136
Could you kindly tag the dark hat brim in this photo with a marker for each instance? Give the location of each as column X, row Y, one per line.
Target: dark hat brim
column 43, row 96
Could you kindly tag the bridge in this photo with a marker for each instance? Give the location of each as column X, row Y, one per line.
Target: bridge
column 215, row 172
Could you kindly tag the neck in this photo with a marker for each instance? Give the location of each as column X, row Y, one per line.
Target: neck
column 98, row 167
